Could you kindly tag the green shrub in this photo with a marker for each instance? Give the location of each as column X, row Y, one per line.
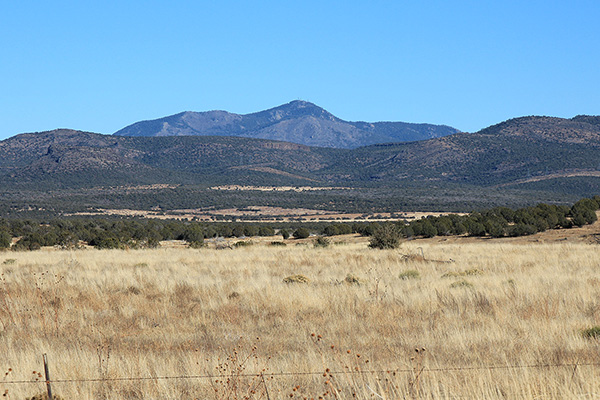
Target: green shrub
column 353, row 280
column 521, row 230
column 409, row 274
column 466, row 272
column 250, row 230
column 322, row 242
column 197, row 245
column 243, row 243
column 385, row 237
column 5, row 240
column 266, row 231
column 428, row 230
column 193, row 233
column 278, row 244
column 331, row 230
column 592, row 333
column 29, row 242
column 301, row 233
column 462, row 284
column 105, row 241
column 472, row 271
column 296, row 279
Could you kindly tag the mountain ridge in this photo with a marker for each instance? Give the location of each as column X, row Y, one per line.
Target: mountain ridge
column 298, row 122
column 521, row 158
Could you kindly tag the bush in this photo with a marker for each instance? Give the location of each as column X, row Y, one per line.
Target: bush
column 193, row 234
column 467, row 272
column 322, row 242
column 370, row 229
column 353, row 280
column 105, row 242
column 29, row 242
column 429, row 230
column 5, row 240
column 385, row 237
column 475, row 228
column 250, row 230
column 331, row 230
column 296, row 279
column 243, row 243
column 238, row 231
column 584, row 217
column 301, row 233
column 285, row 233
column 337, row 229
column 462, row 284
column 409, row 274
column 592, row 333
column 521, row 230
column 495, row 229
column 266, row 231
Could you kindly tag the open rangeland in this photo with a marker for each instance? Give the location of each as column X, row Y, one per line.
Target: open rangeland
column 443, row 320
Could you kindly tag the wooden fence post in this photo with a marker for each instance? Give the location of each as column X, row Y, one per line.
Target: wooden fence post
column 47, row 377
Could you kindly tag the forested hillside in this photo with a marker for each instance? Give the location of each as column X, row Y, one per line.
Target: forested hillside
column 516, row 162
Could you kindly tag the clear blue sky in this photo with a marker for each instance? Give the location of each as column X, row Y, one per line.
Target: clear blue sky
column 101, row 65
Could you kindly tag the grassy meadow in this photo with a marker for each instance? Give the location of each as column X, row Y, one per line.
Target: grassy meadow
column 357, row 324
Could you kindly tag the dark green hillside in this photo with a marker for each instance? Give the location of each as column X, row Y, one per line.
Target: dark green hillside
column 512, row 151
column 80, row 159
column 516, row 163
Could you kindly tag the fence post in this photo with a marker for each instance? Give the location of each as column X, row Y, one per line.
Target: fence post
column 47, row 377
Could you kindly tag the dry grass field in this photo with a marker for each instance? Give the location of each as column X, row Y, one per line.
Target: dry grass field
column 490, row 320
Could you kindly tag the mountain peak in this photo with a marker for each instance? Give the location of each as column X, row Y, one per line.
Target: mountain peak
column 298, row 109
column 298, row 121
column 301, row 103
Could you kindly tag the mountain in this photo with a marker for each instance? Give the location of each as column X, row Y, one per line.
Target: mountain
column 517, row 161
column 296, row 122
column 515, row 152
column 68, row 158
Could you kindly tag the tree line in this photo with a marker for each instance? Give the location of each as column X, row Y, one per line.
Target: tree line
column 101, row 233
column 503, row 221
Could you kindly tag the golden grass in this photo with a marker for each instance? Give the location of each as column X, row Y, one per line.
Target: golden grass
column 180, row 312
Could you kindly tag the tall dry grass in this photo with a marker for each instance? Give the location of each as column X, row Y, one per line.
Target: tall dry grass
column 184, row 312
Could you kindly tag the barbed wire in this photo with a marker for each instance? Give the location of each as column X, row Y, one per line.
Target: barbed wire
column 302, row 373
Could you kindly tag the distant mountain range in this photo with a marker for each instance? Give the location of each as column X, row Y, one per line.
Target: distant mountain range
column 510, row 153
column 520, row 159
column 298, row 122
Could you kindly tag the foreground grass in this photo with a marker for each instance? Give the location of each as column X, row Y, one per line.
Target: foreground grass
column 182, row 312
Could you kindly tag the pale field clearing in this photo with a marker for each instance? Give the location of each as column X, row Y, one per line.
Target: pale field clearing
column 180, row 312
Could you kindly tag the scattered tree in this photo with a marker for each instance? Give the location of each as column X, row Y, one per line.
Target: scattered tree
column 385, row 237
column 301, row 233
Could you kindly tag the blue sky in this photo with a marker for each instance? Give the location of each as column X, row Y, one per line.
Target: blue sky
column 99, row 66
